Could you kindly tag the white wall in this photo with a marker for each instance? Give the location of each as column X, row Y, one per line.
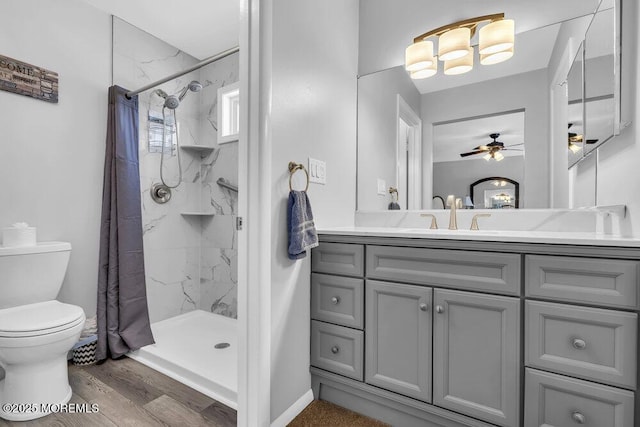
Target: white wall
column 52, row 155
column 312, row 50
column 618, row 172
column 377, row 121
column 526, row 91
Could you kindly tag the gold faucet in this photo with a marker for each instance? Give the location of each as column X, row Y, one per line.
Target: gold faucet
column 453, row 222
column 434, row 223
column 474, row 220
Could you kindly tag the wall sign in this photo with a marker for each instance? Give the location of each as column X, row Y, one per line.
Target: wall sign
column 26, row 79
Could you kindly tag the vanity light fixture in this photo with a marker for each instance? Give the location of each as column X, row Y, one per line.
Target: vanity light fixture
column 495, row 45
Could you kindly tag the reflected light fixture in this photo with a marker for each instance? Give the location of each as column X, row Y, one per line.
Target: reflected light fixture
column 574, row 147
column 495, row 155
column 495, row 45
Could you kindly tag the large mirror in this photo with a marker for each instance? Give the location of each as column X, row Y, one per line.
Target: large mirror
column 416, row 135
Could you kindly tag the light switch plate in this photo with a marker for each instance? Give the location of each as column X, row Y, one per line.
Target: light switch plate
column 317, row 171
column 382, row 187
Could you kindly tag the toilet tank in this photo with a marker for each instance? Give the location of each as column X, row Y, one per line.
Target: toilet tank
column 32, row 274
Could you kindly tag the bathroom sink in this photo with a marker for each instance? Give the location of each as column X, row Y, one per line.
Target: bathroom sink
column 453, row 232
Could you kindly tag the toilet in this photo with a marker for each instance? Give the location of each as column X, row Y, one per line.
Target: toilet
column 36, row 331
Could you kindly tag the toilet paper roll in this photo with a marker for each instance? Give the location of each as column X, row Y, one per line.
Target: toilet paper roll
column 13, row 237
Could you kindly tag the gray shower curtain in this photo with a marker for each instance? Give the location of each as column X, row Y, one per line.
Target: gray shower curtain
column 123, row 315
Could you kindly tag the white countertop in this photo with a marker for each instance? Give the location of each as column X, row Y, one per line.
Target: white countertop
column 551, row 237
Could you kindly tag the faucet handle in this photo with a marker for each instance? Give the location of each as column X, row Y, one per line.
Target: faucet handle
column 434, row 223
column 474, row 220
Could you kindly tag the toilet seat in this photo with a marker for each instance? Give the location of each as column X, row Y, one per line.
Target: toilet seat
column 43, row 318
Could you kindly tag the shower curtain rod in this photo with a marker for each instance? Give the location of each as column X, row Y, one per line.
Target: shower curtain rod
column 188, row 70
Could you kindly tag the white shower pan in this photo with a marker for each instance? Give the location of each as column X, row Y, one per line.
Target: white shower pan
column 185, row 350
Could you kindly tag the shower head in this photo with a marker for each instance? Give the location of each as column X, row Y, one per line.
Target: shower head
column 195, row 86
column 172, row 102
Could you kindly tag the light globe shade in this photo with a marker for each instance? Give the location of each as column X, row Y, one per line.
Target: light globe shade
column 487, row 157
column 496, row 58
column 496, row 37
column 454, row 44
column 460, row 65
column 419, row 56
column 424, row 73
column 498, row 156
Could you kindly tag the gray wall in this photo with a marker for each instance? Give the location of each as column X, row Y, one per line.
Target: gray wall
column 311, row 71
column 456, row 177
column 377, row 124
column 52, row 155
column 528, row 91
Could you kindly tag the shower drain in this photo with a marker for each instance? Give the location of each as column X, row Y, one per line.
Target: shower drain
column 222, row 345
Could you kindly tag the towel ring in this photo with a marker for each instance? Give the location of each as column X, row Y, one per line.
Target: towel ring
column 293, row 167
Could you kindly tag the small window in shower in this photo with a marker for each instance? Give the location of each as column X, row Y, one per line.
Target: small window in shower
column 160, row 128
column 228, row 113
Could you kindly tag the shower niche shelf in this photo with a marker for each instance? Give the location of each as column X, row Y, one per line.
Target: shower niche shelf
column 202, row 149
column 197, row 213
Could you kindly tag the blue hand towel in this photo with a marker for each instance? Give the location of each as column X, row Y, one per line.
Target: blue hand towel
column 302, row 231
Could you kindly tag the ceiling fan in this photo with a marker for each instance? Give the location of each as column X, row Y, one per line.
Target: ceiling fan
column 574, row 139
column 492, row 149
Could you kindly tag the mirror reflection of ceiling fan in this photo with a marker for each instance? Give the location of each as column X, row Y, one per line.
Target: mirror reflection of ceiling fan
column 574, row 139
column 493, row 149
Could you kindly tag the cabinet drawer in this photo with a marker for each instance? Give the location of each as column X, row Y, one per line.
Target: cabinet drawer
column 338, row 258
column 337, row 349
column 554, row 400
column 590, row 343
column 493, row 272
column 607, row 282
column 337, row 299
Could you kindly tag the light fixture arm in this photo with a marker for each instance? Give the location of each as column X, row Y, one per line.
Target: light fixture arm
column 471, row 23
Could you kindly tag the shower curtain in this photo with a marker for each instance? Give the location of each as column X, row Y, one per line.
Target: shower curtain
column 123, row 315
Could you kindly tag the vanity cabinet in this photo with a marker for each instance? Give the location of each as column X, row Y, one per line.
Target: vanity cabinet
column 425, row 332
column 476, row 355
column 398, row 338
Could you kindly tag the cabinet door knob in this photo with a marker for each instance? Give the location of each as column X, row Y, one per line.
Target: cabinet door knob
column 424, row 307
column 578, row 344
column 439, row 309
column 578, row 418
column 335, row 349
column 335, row 300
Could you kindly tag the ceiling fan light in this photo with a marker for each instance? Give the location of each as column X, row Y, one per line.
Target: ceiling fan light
column 487, row 156
column 496, row 58
column 419, row 56
column 574, row 147
column 461, row 65
column 496, row 36
column 498, row 156
column 454, row 44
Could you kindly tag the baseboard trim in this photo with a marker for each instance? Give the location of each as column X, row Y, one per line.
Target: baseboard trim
column 287, row 416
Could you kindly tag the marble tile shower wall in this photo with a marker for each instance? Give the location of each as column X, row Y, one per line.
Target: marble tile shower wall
column 190, row 261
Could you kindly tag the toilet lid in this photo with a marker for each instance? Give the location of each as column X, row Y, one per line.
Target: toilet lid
column 39, row 319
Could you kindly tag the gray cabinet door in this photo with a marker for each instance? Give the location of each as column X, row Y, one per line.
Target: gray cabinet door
column 476, row 359
column 398, row 338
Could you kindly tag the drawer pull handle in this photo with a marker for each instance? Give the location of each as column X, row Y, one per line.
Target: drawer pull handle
column 439, row 309
column 578, row 418
column 424, row 307
column 335, row 349
column 335, row 300
column 579, row 345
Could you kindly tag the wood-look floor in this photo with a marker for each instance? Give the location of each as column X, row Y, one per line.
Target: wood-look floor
column 129, row 393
